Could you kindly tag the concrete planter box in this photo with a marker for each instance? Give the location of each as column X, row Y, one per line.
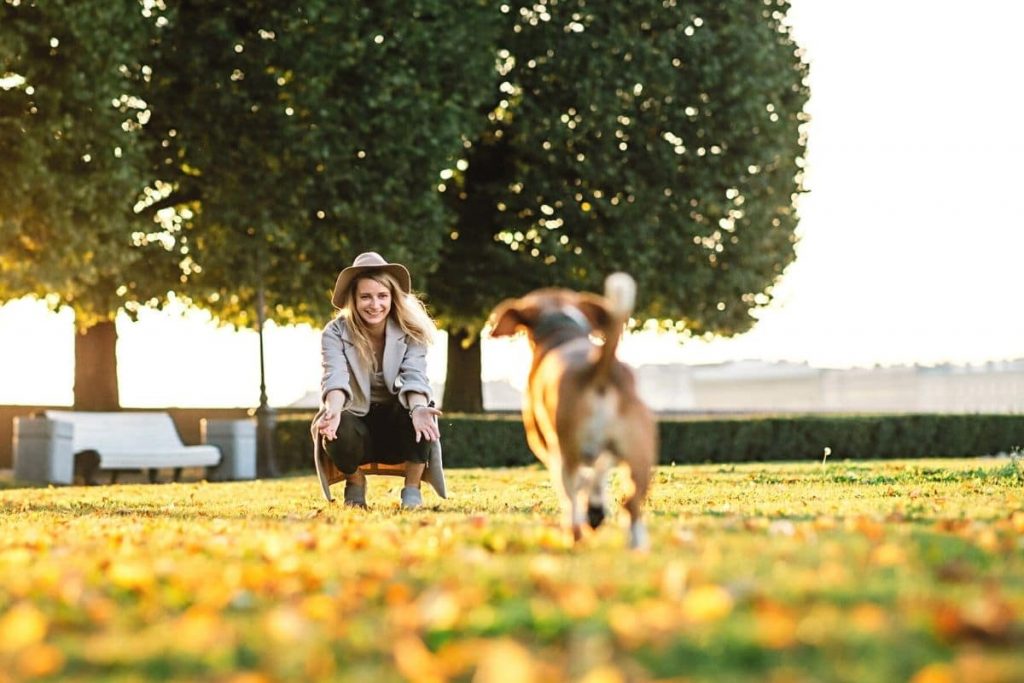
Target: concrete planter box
column 43, row 450
column 236, row 440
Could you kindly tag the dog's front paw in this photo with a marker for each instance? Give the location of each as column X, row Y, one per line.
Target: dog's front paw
column 638, row 537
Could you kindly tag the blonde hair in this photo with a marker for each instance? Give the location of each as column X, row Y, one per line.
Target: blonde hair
column 406, row 309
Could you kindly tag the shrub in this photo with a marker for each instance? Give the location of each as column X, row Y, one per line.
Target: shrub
column 497, row 439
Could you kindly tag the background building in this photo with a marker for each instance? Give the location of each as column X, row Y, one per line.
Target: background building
column 755, row 386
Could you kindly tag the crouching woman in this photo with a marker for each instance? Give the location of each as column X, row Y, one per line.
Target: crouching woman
column 377, row 408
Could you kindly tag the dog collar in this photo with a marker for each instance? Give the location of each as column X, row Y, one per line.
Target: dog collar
column 561, row 322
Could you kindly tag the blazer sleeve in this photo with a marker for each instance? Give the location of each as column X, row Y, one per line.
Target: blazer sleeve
column 412, row 374
column 335, row 366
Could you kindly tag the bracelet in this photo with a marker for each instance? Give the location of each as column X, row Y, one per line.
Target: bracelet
column 413, row 409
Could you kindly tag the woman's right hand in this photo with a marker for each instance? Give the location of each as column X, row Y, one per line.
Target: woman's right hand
column 331, row 416
column 328, row 425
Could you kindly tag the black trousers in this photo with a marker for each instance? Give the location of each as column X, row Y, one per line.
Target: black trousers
column 384, row 435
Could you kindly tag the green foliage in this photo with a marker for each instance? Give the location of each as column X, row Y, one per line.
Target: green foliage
column 468, row 441
column 293, row 137
column 70, row 116
column 643, row 136
column 270, row 143
column 853, row 437
column 499, row 441
column 261, row 144
column 485, row 441
column 293, row 447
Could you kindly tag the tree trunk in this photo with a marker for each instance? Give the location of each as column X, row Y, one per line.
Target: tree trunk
column 96, row 368
column 463, row 391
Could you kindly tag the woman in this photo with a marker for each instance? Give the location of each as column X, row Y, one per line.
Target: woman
column 377, row 404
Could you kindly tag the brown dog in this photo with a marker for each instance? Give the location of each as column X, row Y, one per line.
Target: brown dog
column 581, row 410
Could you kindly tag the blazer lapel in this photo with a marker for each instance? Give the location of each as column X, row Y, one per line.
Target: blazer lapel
column 394, row 352
column 357, row 369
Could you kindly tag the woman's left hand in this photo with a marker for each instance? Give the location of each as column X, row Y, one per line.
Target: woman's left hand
column 424, row 423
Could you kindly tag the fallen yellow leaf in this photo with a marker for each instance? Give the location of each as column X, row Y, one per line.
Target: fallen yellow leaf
column 285, row 625
column 604, row 674
column 578, row 601
column 249, row 677
column 199, row 629
column 776, row 626
column 458, row 657
column 869, row 618
column 625, row 623
column 871, row 528
column 131, row 575
column 988, row 540
column 505, row 661
column 40, row 660
column 934, row 673
column 415, row 662
column 673, row 580
column 21, row 626
column 707, row 603
column 888, row 555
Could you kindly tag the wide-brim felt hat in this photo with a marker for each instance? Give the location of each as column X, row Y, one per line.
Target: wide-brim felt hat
column 369, row 261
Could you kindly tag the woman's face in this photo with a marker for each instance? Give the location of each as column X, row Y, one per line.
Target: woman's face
column 373, row 302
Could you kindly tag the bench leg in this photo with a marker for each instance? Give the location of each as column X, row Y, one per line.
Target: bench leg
column 87, row 464
column 177, row 474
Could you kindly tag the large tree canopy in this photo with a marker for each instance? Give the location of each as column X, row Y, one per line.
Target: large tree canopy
column 225, row 151
column 71, row 171
column 493, row 148
column 659, row 139
column 290, row 138
column 73, row 164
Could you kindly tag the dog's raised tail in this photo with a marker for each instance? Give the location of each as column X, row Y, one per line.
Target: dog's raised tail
column 620, row 291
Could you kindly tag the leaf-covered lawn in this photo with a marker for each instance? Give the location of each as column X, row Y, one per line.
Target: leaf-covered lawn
column 894, row 571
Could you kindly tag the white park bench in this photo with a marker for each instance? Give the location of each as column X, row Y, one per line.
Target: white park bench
column 46, row 445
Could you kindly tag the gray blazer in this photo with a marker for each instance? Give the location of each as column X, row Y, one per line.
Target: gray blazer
column 405, row 366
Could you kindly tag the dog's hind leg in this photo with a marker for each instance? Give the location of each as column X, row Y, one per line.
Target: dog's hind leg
column 572, row 484
column 595, row 511
column 597, row 491
column 640, row 476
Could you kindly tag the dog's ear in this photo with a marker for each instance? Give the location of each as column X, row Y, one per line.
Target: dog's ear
column 596, row 310
column 509, row 316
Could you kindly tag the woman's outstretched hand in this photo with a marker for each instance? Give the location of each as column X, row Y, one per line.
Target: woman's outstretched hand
column 328, row 425
column 424, row 423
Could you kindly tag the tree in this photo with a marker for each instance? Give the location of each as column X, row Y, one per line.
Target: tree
column 288, row 139
column 73, row 164
column 659, row 139
column 278, row 142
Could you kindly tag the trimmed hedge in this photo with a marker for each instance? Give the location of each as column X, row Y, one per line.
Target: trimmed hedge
column 489, row 440
column 847, row 436
column 497, row 440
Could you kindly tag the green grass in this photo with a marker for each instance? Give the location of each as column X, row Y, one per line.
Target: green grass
column 847, row 571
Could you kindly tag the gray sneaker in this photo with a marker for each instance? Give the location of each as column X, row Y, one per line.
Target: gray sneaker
column 411, row 498
column 355, row 494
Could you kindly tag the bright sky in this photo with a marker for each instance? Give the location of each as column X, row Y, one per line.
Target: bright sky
column 911, row 250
